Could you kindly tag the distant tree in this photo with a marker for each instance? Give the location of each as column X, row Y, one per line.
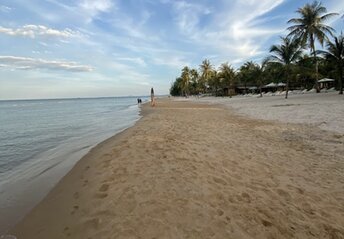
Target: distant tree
column 194, row 80
column 227, row 74
column 176, row 89
column 206, row 70
column 304, row 72
column 185, row 80
column 214, row 82
column 246, row 74
column 335, row 54
column 273, row 72
column 285, row 54
column 259, row 74
column 310, row 27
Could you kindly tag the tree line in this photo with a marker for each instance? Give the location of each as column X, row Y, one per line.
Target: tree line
column 295, row 60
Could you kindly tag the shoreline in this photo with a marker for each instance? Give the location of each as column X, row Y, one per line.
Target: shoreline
column 80, row 160
column 168, row 176
column 43, row 180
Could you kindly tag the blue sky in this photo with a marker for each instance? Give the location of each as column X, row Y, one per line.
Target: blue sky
column 92, row 48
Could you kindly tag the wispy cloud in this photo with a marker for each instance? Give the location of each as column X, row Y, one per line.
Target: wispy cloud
column 94, row 7
column 5, row 9
column 189, row 14
column 233, row 30
column 35, row 31
column 135, row 60
column 25, row 63
column 172, row 61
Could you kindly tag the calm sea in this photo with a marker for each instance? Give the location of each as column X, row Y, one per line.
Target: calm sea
column 40, row 140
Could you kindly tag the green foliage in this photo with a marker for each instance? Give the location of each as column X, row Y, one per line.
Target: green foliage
column 176, row 89
column 286, row 61
column 310, row 27
column 335, row 56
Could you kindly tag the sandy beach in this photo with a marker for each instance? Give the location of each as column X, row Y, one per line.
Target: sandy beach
column 198, row 170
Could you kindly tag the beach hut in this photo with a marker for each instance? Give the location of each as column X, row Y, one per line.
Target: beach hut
column 326, row 83
column 271, row 85
column 281, row 86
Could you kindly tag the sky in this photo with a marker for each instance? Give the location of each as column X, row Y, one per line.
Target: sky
column 103, row 48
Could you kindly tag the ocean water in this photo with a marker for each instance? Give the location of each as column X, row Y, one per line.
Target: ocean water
column 40, row 141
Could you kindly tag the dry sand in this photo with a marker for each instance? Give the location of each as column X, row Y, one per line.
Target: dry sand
column 189, row 170
column 324, row 110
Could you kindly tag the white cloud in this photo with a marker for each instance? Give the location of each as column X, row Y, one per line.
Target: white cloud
column 232, row 30
column 188, row 14
column 35, row 31
column 24, row 63
column 94, row 7
column 5, row 9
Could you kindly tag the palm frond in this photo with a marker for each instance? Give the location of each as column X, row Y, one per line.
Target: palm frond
column 327, row 16
column 295, row 20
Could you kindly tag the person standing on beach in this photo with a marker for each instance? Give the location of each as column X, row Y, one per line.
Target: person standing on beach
column 152, row 97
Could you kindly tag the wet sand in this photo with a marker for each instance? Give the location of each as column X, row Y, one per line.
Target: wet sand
column 192, row 170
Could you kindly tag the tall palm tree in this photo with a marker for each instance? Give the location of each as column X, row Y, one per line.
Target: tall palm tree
column 185, row 80
column 335, row 53
column 206, row 70
column 310, row 27
column 228, row 75
column 194, row 77
column 285, row 54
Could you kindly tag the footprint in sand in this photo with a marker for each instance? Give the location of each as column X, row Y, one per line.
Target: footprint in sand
column 104, row 187
column 85, row 183
column 101, row 195
column 75, row 208
column 76, row 195
column 102, row 191
column 266, row 223
column 284, row 194
column 93, row 223
column 219, row 181
column 219, row 212
column 246, row 197
column 66, row 231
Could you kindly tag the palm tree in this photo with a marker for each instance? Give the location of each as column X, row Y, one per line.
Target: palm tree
column 335, row 53
column 310, row 27
column 245, row 74
column 258, row 72
column 285, row 54
column 206, row 70
column 214, row 82
column 185, row 80
column 228, row 75
column 194, row 77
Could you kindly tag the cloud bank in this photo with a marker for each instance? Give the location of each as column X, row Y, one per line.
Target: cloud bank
column 25, row 63
column 34, row 31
